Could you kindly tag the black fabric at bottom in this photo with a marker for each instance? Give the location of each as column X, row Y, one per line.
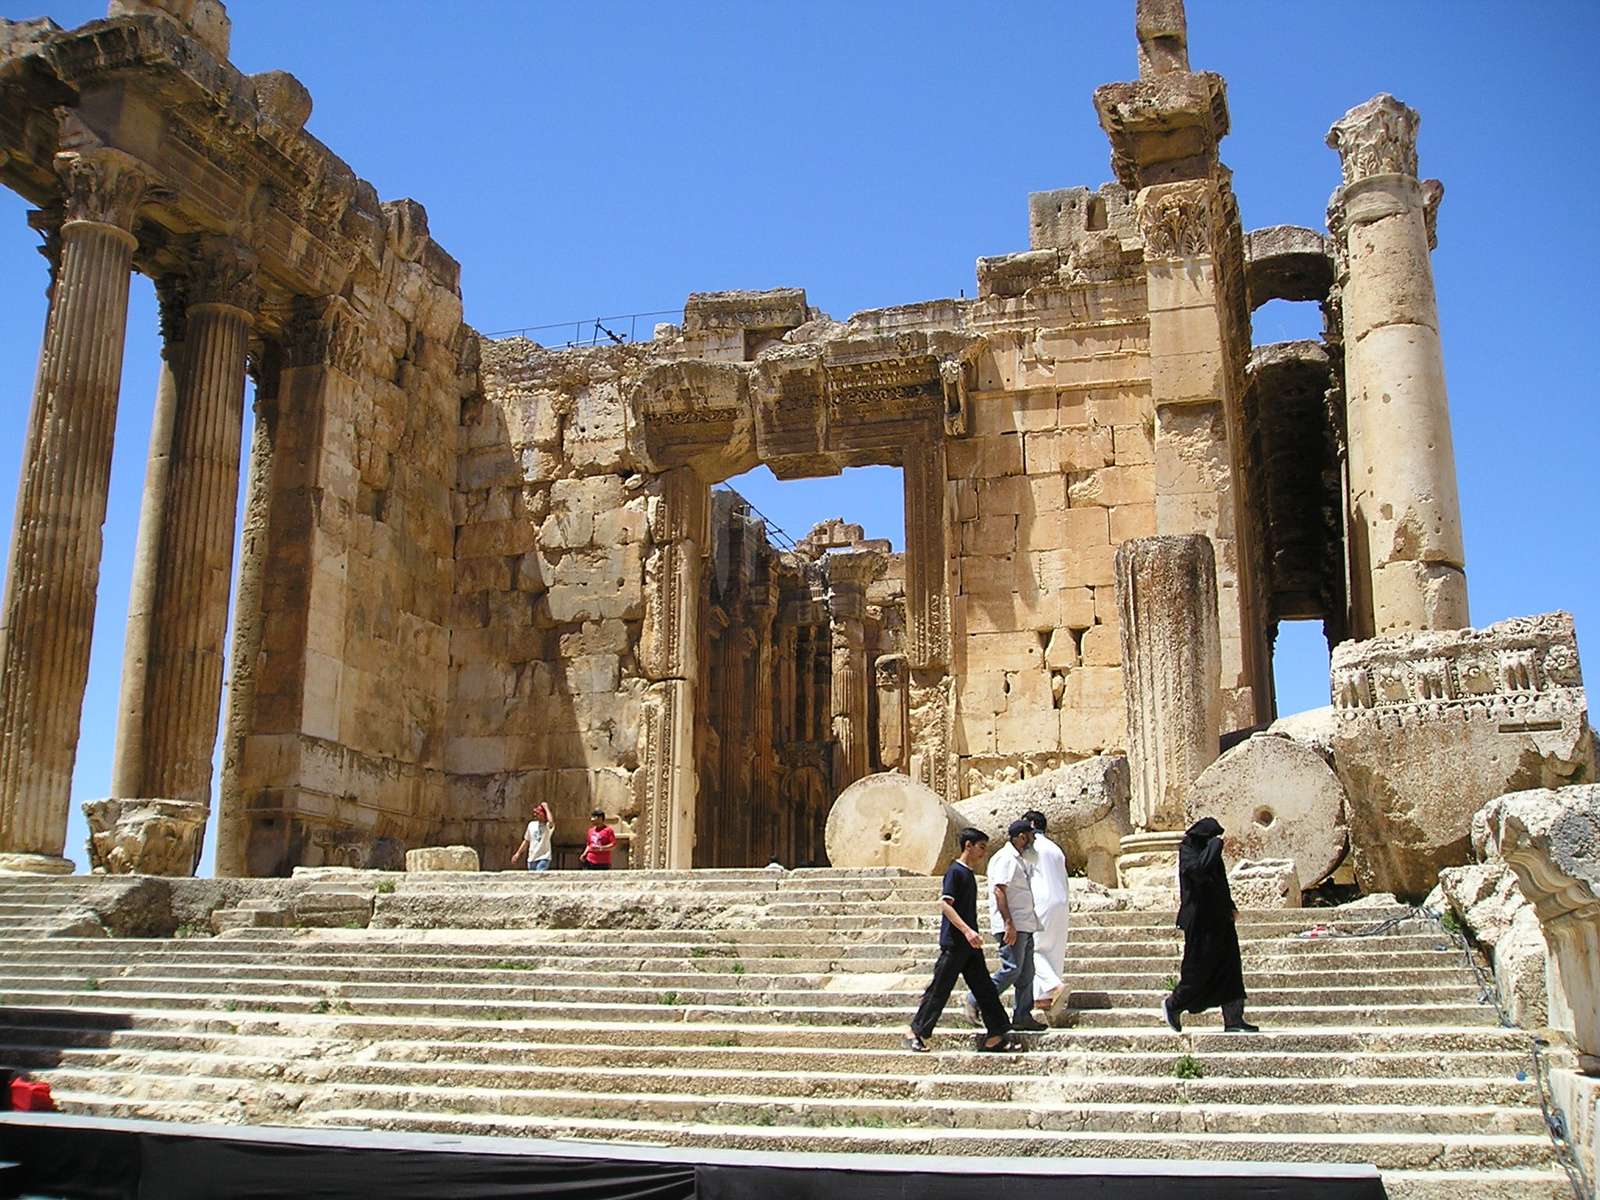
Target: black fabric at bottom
column 98, row 1163
column 718, row 1182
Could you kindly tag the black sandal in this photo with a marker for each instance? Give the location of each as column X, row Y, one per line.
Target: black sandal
column 1009, row 1043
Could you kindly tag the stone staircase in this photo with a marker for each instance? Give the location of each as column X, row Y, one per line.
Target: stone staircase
column 752, row 1010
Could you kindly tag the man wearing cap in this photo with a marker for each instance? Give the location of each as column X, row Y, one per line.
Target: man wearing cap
column 1014, row 923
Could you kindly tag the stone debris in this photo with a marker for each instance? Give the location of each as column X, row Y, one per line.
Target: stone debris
column 442, row 858
column 1085, row 805
column 1265, row 883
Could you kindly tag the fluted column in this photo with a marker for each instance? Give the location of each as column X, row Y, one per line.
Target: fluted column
column 66, row 474
column 127, row 765
column 849, row 572
column 189, row 618
column 1404, row 508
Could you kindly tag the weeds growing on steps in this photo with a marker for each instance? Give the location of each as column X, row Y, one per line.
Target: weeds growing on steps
column 667, row 998
column 1170, row 982
column 384, row 886
column 1188, row 1067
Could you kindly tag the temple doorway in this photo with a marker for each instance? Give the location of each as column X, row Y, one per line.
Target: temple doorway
column 801, row 677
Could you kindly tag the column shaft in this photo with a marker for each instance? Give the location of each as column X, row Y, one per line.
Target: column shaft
column 190, row 617
column 1404, row 505
column 127, row 766
column 61, row 506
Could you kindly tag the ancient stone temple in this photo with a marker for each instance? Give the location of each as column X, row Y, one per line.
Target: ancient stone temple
column 477, row 575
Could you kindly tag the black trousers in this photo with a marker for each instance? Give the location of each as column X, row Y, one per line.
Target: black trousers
column 960, row 962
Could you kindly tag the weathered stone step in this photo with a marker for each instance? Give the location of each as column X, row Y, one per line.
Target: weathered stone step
column 267, row 1096
column 645, row 984
column 1395, row 1151
column 1477, row 1185
column 1352, row 1039
column 781, row 1077
column 1052, row 1055
column 842, row 1009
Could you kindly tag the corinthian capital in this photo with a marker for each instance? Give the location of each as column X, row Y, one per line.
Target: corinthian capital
column 1177, row 220
column 1376, row 138
column 223, row 273
column 101, row 185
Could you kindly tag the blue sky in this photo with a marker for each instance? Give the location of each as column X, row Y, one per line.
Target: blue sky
column 609, row 158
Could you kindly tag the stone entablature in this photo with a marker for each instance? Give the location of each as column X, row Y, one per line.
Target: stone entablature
column 1507, row 665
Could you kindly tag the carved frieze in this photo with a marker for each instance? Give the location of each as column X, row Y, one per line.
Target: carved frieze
column 101, row 186
column 1376, row 138
column 1178, row 220
column 1512, row 662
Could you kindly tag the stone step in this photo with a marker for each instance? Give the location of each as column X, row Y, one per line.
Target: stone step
column 1362, row 1041
column 810, row 1010
column 1387, row 1151
column 865, row 992
column 652, row 976
column 271, row 1095
column 779, row 1078
column 1052, row 1054
column 1477, row 1185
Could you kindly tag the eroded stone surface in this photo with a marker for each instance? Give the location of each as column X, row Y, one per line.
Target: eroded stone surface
column 1265, row 883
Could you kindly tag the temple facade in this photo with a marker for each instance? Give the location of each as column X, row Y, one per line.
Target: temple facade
column 476, row 575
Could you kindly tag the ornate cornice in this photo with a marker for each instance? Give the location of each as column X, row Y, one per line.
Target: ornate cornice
column 101, row 186
column 1376, row 138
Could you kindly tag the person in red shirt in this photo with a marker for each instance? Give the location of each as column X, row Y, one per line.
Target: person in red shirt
column 597, row 853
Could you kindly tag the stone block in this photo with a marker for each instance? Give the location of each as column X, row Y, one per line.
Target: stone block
column 318, row 909
column 1129, row 521
column 891, row 820
column 1265, row 883
column 1432, row 726
column 1102, row 647
column 1279, row 801
column 442, row 858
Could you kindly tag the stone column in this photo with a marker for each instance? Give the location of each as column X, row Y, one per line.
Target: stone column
column 849, row 572
column 927, row 699
column 1171, row 664
column 1405, row 512
column 764, row 783
column 679, row 518
column 61, row 506
column 127, row 767
column 189, row 620
column 889, row 675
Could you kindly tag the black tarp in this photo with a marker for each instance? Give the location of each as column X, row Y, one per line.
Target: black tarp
column 71, row 1158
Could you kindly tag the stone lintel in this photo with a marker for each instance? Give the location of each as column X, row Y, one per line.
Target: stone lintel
column 1287, row 262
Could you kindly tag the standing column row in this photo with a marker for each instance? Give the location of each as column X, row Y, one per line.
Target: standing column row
column 61, row 508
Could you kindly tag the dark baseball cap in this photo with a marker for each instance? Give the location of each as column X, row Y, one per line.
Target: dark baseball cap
column 1018, row 826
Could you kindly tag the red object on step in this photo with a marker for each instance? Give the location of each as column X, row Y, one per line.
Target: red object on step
column 29, row 1095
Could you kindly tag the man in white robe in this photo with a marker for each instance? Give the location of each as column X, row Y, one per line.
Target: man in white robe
column 1052, row 902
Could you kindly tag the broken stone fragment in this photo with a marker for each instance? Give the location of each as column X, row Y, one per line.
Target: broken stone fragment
column 442, row 858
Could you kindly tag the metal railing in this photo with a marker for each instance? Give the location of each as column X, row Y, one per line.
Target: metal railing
column 596, row 331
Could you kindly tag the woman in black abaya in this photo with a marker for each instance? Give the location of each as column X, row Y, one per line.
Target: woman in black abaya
column 1212, row 972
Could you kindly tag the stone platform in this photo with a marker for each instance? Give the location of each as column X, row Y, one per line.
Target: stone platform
column 752, row 1010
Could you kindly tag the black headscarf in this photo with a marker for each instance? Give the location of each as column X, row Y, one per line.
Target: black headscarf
column 1203, row 894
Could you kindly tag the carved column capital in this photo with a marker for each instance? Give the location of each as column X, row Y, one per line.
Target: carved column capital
column 1376, row 138
column 223, row 273
column 101, row 186
column 1178, row 220
column 172, row 309
column 323, row 332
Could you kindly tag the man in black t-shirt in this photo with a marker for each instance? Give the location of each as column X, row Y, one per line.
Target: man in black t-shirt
column 961, row 954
